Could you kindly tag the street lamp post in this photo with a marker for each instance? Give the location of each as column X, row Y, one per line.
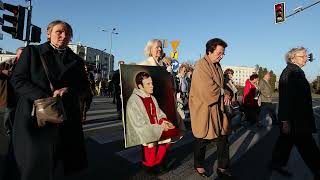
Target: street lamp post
column 109, row 59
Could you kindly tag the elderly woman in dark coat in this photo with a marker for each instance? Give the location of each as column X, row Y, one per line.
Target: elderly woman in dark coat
column 39, row 150
column 296, row 116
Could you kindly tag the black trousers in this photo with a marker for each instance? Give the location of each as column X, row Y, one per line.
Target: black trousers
column 305, row 145
column 222, row 151
column 252, row 114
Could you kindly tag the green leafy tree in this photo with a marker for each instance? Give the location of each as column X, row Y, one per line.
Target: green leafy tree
column 273, row 79
column 260, row 73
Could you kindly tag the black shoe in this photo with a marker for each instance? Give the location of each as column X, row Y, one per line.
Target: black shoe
column 282, row 171
column 224, row 174
column 203, row 174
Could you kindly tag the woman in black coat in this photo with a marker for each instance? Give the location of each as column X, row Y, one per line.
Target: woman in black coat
column 40, row 150
column 296, row 115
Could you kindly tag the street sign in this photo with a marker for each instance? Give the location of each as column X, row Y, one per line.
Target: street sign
column 175, row 65
column 174, row 55
column 175, row 44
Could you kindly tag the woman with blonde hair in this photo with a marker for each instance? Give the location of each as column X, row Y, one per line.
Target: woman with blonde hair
column 155, row 55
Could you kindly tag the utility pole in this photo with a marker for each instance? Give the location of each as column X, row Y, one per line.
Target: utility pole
column 109, row 59
column 27, row 40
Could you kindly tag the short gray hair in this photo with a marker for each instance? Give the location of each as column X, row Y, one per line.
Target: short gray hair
column 150, row 43
column 56, row 22
column 292, row 52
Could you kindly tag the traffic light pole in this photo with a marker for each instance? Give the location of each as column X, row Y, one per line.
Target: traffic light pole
column 301, row 9
column 27, row 40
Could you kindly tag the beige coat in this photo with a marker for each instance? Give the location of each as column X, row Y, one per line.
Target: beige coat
column 208, row 121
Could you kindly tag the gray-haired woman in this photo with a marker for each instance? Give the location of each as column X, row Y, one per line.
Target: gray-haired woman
column 296, row 115
column 154, row 52
column 40, row 150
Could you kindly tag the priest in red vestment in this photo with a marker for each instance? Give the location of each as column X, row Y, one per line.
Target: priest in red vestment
column 147, row 124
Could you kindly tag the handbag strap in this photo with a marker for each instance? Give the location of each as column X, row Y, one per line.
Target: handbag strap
column 46, row 71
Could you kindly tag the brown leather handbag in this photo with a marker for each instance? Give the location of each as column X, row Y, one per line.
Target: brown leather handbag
column 48, row 109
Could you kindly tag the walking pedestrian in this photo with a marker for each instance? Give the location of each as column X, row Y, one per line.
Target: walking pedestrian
column 231, row 89
column 86, row 97
column 266, row 108
column 53, row 150
column 155, row 57
column 154, row 52
column 296, row 116
column 209, row 122
column 182, row 89
column 250, row 99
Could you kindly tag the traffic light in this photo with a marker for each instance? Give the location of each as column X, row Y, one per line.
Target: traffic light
column 35, row 34
column 279, row 10
column 17, row 20
column 310, row 57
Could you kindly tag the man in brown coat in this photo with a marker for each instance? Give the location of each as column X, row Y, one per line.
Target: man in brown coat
column 206, row 103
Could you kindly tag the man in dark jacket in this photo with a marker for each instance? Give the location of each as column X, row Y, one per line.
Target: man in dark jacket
column 296, row 116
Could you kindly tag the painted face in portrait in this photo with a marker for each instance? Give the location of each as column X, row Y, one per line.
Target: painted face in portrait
column 217, row 54
column 156, row 50
column 147, row 86
column 59, row 36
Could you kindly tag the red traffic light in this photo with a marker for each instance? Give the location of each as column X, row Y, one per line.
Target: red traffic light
column 278, row 7
column 279, row 12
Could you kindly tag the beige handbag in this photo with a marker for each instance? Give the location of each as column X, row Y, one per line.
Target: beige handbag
column 48, row 109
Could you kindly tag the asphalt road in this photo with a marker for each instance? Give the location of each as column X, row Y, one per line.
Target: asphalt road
column 250, row 151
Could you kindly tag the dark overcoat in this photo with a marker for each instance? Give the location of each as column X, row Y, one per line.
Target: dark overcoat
column 295, row 101
column 36, row 149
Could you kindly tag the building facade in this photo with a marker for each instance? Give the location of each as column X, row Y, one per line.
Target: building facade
column 241, row 73
column 98, row 59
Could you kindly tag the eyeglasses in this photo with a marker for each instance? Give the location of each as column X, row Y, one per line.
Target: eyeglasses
column 302, row 55
column 220, row 53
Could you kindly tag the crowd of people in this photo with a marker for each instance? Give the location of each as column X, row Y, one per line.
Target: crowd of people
column 203, row 93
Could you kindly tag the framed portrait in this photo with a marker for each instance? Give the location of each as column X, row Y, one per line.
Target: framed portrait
column 137, row 123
